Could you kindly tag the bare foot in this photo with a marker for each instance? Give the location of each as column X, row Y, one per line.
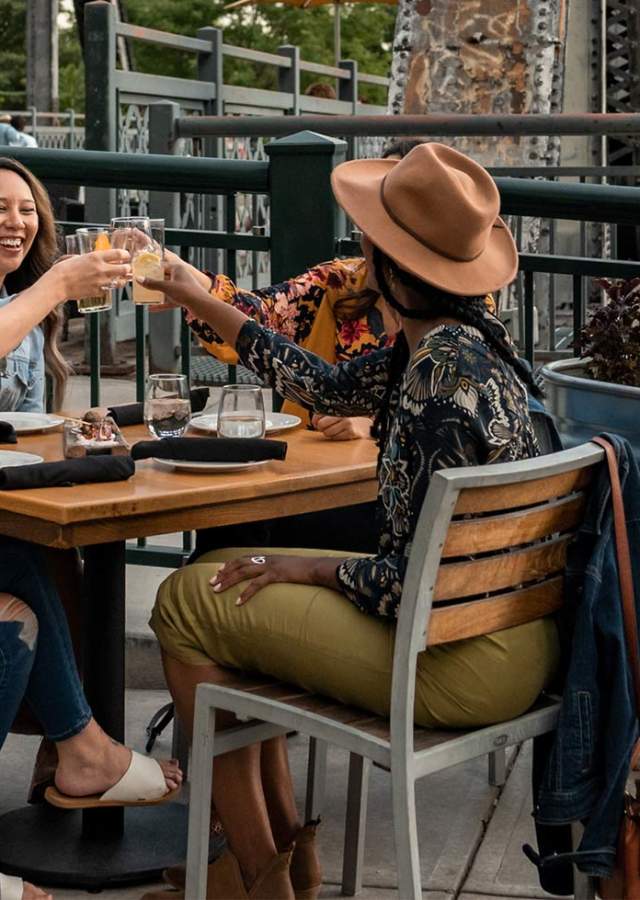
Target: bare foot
column 30, row 892
column 91, row 763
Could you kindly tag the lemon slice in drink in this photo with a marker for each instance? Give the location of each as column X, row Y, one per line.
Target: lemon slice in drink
column 147, row 265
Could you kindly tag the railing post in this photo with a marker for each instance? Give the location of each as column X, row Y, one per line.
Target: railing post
column 164, row 330
column 299, row 182
column 100, row 134
column 348, row 93
column 289, row 79
column 34, row 121
column 71, row 113
column 210, row 70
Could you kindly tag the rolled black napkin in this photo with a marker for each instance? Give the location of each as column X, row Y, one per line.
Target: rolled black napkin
column 68, row 471
column 133, row 413
column 211, row 449
column 8, row 433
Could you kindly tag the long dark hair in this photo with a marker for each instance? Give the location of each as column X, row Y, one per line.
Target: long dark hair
column 38, row 260
column 435, row 304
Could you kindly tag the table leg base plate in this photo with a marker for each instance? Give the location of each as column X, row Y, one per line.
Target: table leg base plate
column 45, row 845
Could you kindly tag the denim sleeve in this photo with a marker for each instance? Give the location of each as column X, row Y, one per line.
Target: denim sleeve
column 34, row 398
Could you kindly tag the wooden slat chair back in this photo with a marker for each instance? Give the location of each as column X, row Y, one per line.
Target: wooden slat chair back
column 489, row 553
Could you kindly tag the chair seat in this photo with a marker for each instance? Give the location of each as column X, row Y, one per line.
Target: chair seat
column 259, row 700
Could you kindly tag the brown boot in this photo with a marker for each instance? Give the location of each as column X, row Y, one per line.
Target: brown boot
column 224, row 881
column 306, row 875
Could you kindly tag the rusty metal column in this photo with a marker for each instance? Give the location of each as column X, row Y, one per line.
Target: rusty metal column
column 501, row 58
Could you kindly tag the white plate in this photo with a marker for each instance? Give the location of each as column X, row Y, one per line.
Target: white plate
column 28, row 423
column 274, row 422
column 16, row 458
column 186, row 465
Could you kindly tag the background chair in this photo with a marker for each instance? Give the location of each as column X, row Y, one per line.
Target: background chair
column 489, row 553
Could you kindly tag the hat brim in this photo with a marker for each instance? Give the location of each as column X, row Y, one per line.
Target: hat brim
column 357, row 187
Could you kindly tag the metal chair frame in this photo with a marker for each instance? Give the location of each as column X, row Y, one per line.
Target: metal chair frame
column 408, row 754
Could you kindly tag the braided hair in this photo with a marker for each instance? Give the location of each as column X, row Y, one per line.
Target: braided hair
column 437, row 303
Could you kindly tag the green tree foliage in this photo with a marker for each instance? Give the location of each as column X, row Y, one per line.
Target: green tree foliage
column 13, row 68
column 70, row 63
column 13, row 71
column 367, row 33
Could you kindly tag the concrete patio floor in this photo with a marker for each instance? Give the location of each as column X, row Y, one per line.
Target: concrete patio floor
column 470, row 833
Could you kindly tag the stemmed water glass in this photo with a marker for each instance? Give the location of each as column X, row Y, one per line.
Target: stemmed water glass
column 167, row 406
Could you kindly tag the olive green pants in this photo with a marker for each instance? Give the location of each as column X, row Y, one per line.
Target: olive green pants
column 316, row 638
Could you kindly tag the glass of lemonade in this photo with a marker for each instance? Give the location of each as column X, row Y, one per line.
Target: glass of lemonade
column 167, row 407
column 241, row 412
column 144, row 239
column 86, row 241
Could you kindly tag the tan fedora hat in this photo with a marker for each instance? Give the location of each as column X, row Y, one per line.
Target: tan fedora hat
column 435, row 213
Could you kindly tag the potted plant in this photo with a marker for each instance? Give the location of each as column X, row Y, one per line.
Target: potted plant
column 600, row 389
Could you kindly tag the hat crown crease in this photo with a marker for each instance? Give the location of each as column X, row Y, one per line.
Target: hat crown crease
column 442, row 206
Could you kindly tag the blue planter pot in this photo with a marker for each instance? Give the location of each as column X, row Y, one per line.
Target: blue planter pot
column 583, row 407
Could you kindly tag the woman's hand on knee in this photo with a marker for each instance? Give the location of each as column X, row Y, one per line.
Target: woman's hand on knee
column 260, row 571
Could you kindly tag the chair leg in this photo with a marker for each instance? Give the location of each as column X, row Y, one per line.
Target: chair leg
column 355, row 825
column 497, row 767
column 200, row 800
column 316, row 779
column 584, row 887
column 405, row 831
column 180, row 747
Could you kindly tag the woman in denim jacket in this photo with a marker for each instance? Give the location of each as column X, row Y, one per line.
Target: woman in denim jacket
column 36, row 657
column 22, row 375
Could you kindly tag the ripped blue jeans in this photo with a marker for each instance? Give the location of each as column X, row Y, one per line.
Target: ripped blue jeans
column 36, row 657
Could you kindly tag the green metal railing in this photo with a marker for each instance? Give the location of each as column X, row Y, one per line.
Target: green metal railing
column 304, row 218
column 306, row 226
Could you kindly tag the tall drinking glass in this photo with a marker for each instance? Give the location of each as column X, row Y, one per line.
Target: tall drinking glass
column 88, row 240
column 146, row 246
column 167, row 407
column 71, row 244
column 241, row 412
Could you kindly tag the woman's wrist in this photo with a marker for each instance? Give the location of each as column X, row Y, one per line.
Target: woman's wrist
column 56, row 285
column 324, row 572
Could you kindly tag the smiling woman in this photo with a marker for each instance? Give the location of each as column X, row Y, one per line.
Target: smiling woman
column 32, row 288
column 36, row 655
column 27, row 250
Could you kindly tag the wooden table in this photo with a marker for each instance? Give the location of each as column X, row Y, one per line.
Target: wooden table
column 52, row 847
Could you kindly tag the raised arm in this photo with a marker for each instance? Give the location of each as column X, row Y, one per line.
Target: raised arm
column 73, row 278
column 353, row 388
column 288, row 308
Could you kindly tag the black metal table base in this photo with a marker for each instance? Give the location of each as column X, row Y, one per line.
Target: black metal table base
column 46, row 846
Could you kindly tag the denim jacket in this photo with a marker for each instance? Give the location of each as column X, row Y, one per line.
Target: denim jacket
column 22, row 374
column 588, row 765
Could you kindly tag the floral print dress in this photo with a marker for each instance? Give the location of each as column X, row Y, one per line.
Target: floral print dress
column 457, row 404
column 291, row 308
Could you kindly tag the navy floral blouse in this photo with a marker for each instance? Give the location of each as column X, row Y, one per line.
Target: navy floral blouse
column 457, row 404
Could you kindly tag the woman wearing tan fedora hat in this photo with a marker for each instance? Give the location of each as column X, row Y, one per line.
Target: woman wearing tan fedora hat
column 451, row 392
